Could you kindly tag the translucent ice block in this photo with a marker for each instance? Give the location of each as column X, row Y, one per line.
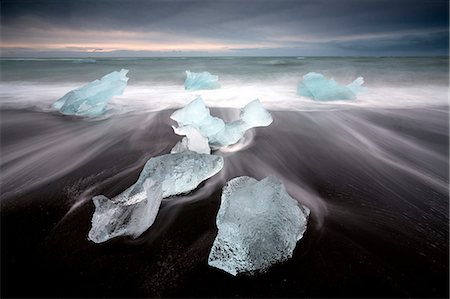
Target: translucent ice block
column 259, row 225
column 162, row 176
column 317, row 87
column 196, row 81
column 91, row 100
column 219, row 134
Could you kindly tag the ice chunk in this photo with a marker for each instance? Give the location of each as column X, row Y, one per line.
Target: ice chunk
column 132, row 217
column 169, row 175
column 196, row 81
column 196, row 114
column 317, row 87
column 219, row 134
column 258, row 224
column 179, row 173
column 356, row 85
column 255, row 115
column 252, row 115
column 91, row 99
column 194, row 141
column 230, row 134
column 181, row 146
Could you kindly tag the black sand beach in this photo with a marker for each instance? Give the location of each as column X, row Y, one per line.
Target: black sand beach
column 376, row 182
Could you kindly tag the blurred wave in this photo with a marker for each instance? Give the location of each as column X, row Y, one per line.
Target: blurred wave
column 157, row 83
column 275, row 96
column 394, row 136
column 299, row 148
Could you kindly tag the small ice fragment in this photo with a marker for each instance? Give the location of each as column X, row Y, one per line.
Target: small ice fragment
column 114, row 218
column 356, row 85
column 194, row 140
column 169, row 175
column 196, row 81
column 219, row 134
column 317, row 87
column 259, row 225
column 91, row 99
column 255, row 115
column 181, row 146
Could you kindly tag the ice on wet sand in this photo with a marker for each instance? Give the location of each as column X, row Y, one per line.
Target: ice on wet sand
column 259, row 225
column 113, row 218
column 162, row 176
column 219, row 133
column 252, row 115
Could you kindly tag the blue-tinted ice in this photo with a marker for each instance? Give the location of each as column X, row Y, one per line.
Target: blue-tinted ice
column 196, row 81
column 194, row 141
column 317, row 87
column 91, row 99
column 134, row 210
column 219, row 133
column 259, row 225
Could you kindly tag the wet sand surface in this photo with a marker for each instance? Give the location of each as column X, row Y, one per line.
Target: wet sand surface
column 376, row 182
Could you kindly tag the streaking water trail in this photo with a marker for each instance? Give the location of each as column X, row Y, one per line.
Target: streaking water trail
column 373, row 171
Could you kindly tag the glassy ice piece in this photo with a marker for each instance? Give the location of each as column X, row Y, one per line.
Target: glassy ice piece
column 258, row 224
column 219, row 134
column 179, row 173
column 115, row 217
column 92, row 99
column 255, row 115
column 196, row 81
column 181, row 146
column 196, row 114
column 356, row 85
column 194, row 141
column 252, row 115
column 162, row 176
column 230, row 134
column 317, row 87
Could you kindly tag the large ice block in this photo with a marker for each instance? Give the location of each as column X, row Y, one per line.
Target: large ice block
column 259, row 225
column 91, row 99
column 162, row 176
column 317, row 87
column 219, row 134
column 204, row 80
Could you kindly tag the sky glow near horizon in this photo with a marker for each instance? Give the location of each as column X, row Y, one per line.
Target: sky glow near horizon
column 108, row 28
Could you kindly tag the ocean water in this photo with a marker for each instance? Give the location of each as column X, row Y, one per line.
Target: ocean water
column 157, row 83
column 374, row 172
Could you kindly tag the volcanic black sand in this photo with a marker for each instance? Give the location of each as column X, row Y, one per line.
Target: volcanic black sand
column 376, row 182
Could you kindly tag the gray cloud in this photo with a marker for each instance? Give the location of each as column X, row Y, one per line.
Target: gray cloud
column 277, row 24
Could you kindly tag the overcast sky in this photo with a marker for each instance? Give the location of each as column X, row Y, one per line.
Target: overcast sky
column 242, row 27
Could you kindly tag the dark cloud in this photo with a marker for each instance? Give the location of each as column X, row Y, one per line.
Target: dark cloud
column 432, row 43
column 278, row 23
